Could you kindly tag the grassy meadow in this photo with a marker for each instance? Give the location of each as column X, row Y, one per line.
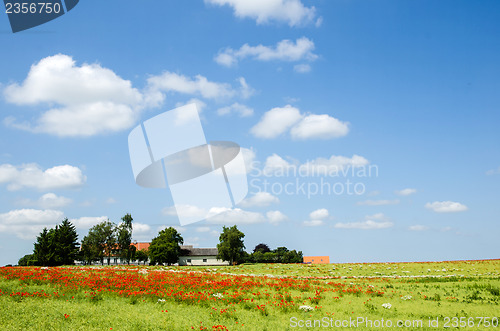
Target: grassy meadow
column 416, row 296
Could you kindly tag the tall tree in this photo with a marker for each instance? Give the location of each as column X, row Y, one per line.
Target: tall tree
column 165, row 248
column 66, row 244
column 43, row 251
column 100, row 242
column 126, row 250
column 231, row 246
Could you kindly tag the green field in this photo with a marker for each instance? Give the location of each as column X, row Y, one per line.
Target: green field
column 456, row 294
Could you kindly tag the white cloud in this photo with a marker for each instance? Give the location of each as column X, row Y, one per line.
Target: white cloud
column 319, row 214
column 32, row 176
column 493, row 172
column 235, row 108
column 418, row 228
column 87, row 222
column 366, row 225
column 86, row 100
column 292, row 12
column 372, row 222
column 446, row 206
column 28, row 223
column 378, row 202
column 275, row 217
column 276, row 121
column 284, row 50
column 317, row 217
column 406, row 191
column 141, row 231
column 275, row 164
column 199, row 85
column 313, row 223
column 51, row 200
column 333, row 165
column 236, row 216
column 245, row 90
column 302, row 68
column 319, row 127
column 260, row 199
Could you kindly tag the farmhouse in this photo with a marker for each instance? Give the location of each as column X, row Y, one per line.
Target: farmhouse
column 316, row 259
column 199, row 256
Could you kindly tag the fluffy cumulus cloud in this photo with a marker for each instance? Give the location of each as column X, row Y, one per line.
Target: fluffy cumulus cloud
column 83, row 100
column 28, row 223
column 319, row 127
column 317, row 217
column 292, row 12
column 276, row 217
column 260, row 199
column 33, row 176
column 225, row 216
column 285, row 50
column 198, row 85
column 235, row 108
column 406, row 191
column 276, row 165
column 276, row 121
column 446, row 206
column 371, row 222
column 279, row 120
column 236, row 216
column 333, row 165
column 378, row 202
column 48, row 201
column 87, row 222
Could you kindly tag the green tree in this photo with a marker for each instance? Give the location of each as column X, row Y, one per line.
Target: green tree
column 142, row 256
column 100, row 242
column 43, row 252
column 165, row 247
column 261, row 248
column 280, row 253
column 65, row 243
column 126, row 250
column 231, row 245
column 27, row 260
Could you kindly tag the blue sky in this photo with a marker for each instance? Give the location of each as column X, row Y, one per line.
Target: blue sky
column 407, row 88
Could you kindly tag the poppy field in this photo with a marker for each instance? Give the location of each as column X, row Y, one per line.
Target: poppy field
column 252, row 297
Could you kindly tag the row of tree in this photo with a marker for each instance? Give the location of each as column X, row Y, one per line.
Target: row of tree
column 107, row 240
column 57, row 246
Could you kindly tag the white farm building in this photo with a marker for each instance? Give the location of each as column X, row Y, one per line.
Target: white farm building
column 199, row 256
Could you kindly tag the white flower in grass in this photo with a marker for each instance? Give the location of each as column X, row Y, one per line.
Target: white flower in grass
column 161, row 300
column 406, row 297
column 387, row 305
column 306, row 308
column 218, row 295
